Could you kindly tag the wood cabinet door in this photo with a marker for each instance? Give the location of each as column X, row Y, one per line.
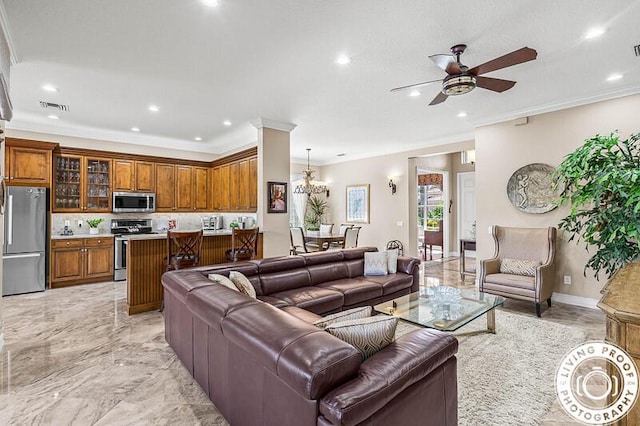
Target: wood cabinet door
column 97, row 185
column 253, row 184
column 223, row 184
column 123, row 175
column 215, row 188
column 68, row 264
column 184, row 188
column 165, row 187
column 145, row 176
column 68, row 190
column 29, row 166
column 99, row 261
column 201, row 188
column 234, row 186
column 243, row 185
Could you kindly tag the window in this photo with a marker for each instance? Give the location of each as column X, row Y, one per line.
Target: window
column 430, row 206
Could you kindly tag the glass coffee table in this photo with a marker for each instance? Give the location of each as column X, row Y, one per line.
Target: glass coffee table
column 444, row 308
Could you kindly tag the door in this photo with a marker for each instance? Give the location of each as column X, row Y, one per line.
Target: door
column 466, row 205
column 145, row 177
column 25, row 221
column 184, row 188
column 67, row 264
column 99, row 261
column 123, row 175
column 165, row 192
column 23, row 273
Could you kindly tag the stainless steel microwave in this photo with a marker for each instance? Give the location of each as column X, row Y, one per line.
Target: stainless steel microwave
column 134, row 202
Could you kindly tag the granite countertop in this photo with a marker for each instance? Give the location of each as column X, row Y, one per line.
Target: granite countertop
column 163, row 235
column 68, row 237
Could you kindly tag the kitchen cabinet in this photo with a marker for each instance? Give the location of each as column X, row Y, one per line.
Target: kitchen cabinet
column 81, row 261
column 184, row 188
column 253, row 184
column 81, row 184
column 201, row 189
column 165, row 189
column 133, row 176
column 28, row 163
column 235, row 187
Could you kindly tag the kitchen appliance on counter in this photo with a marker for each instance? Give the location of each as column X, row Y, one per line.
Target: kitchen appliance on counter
column 25, row 240
column 212, row 223
column 122, row 228
column 134, row 202
column 246, row 222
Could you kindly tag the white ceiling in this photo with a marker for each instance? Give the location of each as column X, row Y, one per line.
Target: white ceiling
column 275, row 59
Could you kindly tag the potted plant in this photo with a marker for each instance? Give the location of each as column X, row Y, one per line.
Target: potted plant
column 316, row 208
column 93, row 225
column 601, row 181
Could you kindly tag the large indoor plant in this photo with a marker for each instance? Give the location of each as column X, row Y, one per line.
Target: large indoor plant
column 601, row 182
column 316, row 208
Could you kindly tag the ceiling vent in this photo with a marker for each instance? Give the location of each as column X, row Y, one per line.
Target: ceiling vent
column 60, row 107
column 636, row 49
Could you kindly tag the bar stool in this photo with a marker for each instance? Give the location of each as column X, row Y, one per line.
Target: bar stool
column 244, row 244
column 183, row 249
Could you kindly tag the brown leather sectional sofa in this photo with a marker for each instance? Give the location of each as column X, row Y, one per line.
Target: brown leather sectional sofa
column 262, row 362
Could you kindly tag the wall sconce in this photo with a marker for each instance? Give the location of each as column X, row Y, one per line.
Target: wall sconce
column 392, row 185
column 468, row 157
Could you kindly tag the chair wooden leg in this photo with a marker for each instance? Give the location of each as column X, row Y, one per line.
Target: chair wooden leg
column 538, row 310
column 549, row 302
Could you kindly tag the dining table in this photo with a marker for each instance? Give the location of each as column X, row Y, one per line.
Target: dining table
column 322, row 239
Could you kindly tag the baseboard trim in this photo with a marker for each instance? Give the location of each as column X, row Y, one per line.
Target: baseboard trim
column 570, row 299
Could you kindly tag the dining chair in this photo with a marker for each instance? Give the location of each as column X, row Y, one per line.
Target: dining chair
column 351, row 237
column 183, row 249
column 341, row 231
column 244, row 244
column 326, row 228
column 298, row 245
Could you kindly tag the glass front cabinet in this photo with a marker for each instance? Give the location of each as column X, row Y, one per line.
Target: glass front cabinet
column 82, row 184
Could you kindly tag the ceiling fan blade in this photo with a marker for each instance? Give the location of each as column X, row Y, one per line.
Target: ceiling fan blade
column 447, row 63
column 415, row 86
column 495, row 84
column 439, row 99
column 514, row 58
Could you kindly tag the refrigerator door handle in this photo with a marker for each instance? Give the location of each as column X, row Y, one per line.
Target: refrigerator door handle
column 20, row 256
column 10, row 221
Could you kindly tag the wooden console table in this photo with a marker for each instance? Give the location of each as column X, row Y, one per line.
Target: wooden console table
column 466, row 244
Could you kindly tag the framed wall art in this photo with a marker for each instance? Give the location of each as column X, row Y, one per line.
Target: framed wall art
column 358, row 203
column 277, row 197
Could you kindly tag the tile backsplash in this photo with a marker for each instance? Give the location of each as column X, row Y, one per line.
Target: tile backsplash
column 185, row 221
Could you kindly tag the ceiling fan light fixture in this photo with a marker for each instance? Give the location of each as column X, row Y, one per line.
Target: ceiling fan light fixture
column 458, row 84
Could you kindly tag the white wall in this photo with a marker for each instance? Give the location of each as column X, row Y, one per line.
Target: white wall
column 503, row 148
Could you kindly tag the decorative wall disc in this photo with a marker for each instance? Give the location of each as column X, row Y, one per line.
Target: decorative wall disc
column 530, row 188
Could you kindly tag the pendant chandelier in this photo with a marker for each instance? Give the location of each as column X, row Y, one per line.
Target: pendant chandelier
column 307, row 186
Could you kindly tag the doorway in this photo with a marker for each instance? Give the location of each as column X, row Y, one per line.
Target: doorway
column 432, row 222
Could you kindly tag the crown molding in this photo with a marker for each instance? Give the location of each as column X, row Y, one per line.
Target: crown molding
column 6, row 30
column 262, row 122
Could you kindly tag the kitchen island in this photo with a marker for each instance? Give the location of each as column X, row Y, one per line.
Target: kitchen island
column 145, row 265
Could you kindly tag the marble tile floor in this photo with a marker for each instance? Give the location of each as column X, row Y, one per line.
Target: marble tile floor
column 72, row 356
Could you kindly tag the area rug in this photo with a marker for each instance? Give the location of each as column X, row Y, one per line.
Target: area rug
column 507, row 378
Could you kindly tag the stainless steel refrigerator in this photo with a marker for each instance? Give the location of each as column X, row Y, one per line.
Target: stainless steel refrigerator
column 25, row 239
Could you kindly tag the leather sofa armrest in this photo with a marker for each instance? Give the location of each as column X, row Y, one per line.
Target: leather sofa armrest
column 386, row 374
column 411, row 266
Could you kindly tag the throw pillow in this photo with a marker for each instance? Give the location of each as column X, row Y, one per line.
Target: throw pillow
column 375, row 263
column 392, row 261
column 222, row 280
column 243, row 283
column 350, row 314
column 519, row 267
column 367, row 335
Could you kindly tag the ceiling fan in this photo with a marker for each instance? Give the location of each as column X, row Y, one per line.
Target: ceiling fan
column 461, row 79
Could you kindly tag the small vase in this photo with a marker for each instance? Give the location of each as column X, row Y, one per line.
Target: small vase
column 93, row 231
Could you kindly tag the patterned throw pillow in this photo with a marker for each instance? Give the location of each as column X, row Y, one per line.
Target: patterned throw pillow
column 350, row 314
column 392, row 261
column 375, row 263
column 519, row 267
column 221, row 279
column 367, row 335
column 243, row 283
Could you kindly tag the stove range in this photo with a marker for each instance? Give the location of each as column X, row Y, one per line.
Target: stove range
column 121, row 228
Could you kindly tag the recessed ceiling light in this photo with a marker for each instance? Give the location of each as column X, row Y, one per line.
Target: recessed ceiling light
column 210, row 3
column 197, row 138
column 614, row 77
column 594, row 33
column 462, row 114
column 154, row 108
column 226, row 123
column 135, row 129
column 343, row 60
column 53, row 117
column 50, row 88
column 414, row 93
column 342, row 154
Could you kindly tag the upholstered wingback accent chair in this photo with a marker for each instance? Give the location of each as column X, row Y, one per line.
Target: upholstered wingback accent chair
column 522, row 266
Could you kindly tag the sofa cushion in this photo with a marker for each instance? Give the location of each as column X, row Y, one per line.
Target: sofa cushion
column 243, row 283
column 392, row 261
column 354, row 290
column 367, row 335
column 284, row 280
column 248, row 269
column 279, row 264
column 519, row 267
column 322, row 257
column 512, row 280
column 222, row 280
column 348, row 315
column 375, row 263
column 303, row 314
column 357, row 252
column 390, row 283
column 278, row 303
column 327, row 272
column 315, row 299
column 212, row 303
column 180, row 283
